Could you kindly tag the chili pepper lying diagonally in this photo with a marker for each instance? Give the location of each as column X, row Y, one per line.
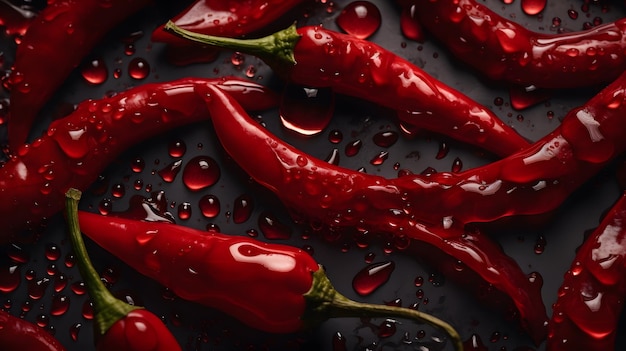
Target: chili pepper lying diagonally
column 322, row 193
column 17, row 334
column 504, row 50
column 317, row 57
column 117, row 325
column 77, row 148
column 591, row 298
column 291, row 290
column 54, row 44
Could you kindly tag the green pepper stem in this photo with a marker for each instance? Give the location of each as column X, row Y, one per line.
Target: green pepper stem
column 108, row 309
column 277, row 48
column 324, row 302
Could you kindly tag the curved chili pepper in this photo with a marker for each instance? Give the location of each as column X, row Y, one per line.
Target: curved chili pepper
column 17, row 334
column 591, row 298
column 118, row 325
column 77, row 148
column 292, row 292
column 316, row 191
column 506, row 51
column 314, row 56
column 55, row 43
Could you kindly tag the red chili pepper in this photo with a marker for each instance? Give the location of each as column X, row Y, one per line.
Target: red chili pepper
column 292, row 292
column 506, row 51
column 591, row 298
column 314, row 56
column 77, row 148
column 117, row 325
column 316, row 191
column 54, row 44
column 17, row 334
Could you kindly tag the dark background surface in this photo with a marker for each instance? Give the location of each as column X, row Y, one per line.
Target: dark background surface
column 200, row 328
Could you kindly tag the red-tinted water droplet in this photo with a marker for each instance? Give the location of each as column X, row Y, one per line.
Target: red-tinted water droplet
column 60, row 305
column 380, row 158
column 419, row 293
column 443, row 150
column 177, row 148
column 306, row 111
column 597, row 21
column 169, row 172
column 42, row 320
column 372, row 277
column 272, row 228
column 79, row 288
column 533, row 7
column 353, row 148
column 60, row 282
column 10, row 278
column 138, row 68
column 137, row 164
column 129, row 49
column 418, row 281
column 498, row 101
column 87, row 310
column 540, row 244
column 94, row 72
column 387, row 328
column 386, row 138
column 457, row 165
column 30, row 275
column 70, row 260
column 495, row 336
column 138, row 184
column 409, row 24
column 369, row 257
column 474, row 343
column 117, row 73
column 74, row 330
column 556, row 21
column 51, row 269
column 333, row 157
column 522, row 98
column 360, row 19
column 201, row 172
column 237, row 59
column 110, row 275
column 242, row 209
column 17, row 253
column 335, row 136
column 184, row 210
column 37, row 288
column 209, row 206
column 105, row 206
column 339, row 342
column 250, row 71
column 573, row 14
column 118, row 190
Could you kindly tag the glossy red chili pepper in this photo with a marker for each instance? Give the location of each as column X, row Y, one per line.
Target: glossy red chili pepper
column 314, row 56
column 17, row 334
column 316, row 191
column 117, row 325
column 54, row 44
column 77, row 148
column 291, row 291
column 591, row 298
column 507, row 51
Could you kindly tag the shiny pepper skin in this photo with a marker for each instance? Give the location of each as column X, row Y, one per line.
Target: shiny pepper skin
column 140, row 330
column 260, row 284
column 507, row 51
column 17, row 334
column 77, row 148
column 54, row 44
column 591, row 298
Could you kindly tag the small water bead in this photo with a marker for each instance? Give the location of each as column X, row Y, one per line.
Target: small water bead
column 209, row 206
column 138, row 184
column 169, row 172
column 75, row 330
column 418, row 281
column 573, row 14
column 37, row 288
column 335, row 136
column 372, row 277
column 10, row 278
column 60, row 282
column 540, row 244
column 52, row 269
column 184, row 211
column 369, row 257
column 118, row 190
column 250, row 71
column 242, row 208
column 387, row 328
column 138, row 68
column 201, row 172
column 138, row 164
column 78, row 288
column 380, row 158
column 237, row 59
column 52, row 252
column 87, row 310
column 360, row 19
column 177, row 148
column 94, row 72
column 60, row 305
column 42, row 320
column 70, row 260
column 105, row 206
column 556, row 21
column 333, row 157
column 272, row 228
column 117, row 73
column 474, row 343
column 442, row 151
column 457, row 165
column 212, row 228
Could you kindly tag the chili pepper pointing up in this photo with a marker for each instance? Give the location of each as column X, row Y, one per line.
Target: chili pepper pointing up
column 77, row 148
column 17, row 334
column 314, row 56
column 318, row 192
column 507, row 51
column 591, row 298
column 54, row 44
column 117, row 325
column 292, row 291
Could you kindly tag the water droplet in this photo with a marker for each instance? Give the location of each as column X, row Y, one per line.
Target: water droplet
column 443, row 150
column 53, row 252
column 335, row 136
column 201, row 172
column 242, row 209
column 137, row 164
column 79, row 288
column 339, row 342
column 60, row 305
column 272, row 228
column 353, row 148
column 333, row 157
column 360, row 19
column 380, row 158
column 237, row 59
column 118, row 190
column 457, row 165
column 533, row 7
column 138, row 68
column 74, row 330
column 409, row 24
column 540, row 244
column 37, row 288
column 169, row 172
column 9, row 278
column 474, row 343
column 372, row 277
column 87, row 310
column 184, row 210
column 306, row 111
column 573, row 14
column 209, row 206
column 385, row 139
column 94, row 72
column 387, row 328
column 177, row 148
column 17, row 253
column 60, row 282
